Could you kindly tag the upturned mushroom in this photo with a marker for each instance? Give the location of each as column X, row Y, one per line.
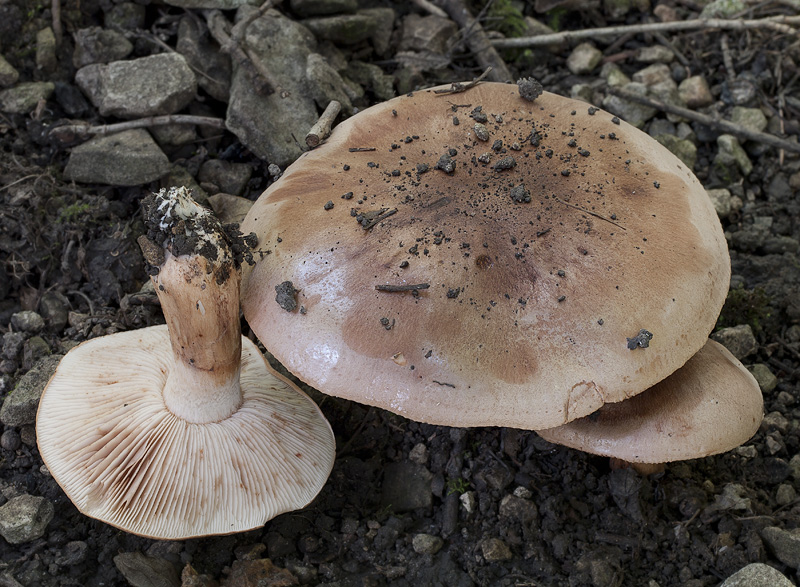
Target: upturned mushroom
column 710, row 405
column 183, row 430
column 477, row 258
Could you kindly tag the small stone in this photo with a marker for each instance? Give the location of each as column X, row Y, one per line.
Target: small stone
column 10, row 440
column 426, row 33
column 614, row 76
column 27, row 321
column 8, row 75
column 12, row 344
column 24, row 518
column 631, row 112
column 99, row 45
column 584, row 58
column 655, row 54
column 494, row 549
column 694, row 91
column 774, row 421
column 731, row 152
column 723, row 8
column 426, row 543
column 683, row 149
column 141, row 570
column 750, row 118
column 24, row 97
column 468, row 501
column 739, row 340
column 653, row 74
column 19, row 407
column 785, row 544
column 767, row 381
column 46, row 50
column 785, row 494
column 757, row 575
column 721, row 198
column 419, row 454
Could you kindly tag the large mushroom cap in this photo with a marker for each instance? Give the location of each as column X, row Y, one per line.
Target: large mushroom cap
column 122, row 457
column 710, row 405
column 528, row 273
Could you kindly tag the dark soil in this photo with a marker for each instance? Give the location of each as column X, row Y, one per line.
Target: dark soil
column 540, row 514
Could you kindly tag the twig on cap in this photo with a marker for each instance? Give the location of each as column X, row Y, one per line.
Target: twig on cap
column 83, row 129
column 595, row 214
column 322, row 129
column 458, row 87
column 402, row 288
column 723, row 125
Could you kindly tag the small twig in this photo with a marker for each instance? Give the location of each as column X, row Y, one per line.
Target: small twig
column 727, row 60
column 477, row 41
column 458, row 87
column 430, row 7
column 595, row 214
column 58, row 31
column 402, row 288
column 240, row 28
column 361, row 149
column 723, row 125
column 85, row 129
column 782, row 24
column 20, row 180
column 322, row 129
column 370, row 219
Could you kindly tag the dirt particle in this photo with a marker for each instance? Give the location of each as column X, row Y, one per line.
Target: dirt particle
column 641, row 340
column 286, row 296
column 529, row 88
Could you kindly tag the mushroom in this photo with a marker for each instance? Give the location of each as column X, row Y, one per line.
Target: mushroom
column 710, row 405
column 183, row 430
column 477, row 259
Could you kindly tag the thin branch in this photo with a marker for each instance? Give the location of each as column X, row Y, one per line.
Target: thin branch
column 458, row 87
column 430, row 7
column 58, row 31
column 781, row 24
column 322, row 129
column 722, row 125
column 477, row 41
column 84, row 129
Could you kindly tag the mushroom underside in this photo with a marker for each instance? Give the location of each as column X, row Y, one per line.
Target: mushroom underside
column 122, row 457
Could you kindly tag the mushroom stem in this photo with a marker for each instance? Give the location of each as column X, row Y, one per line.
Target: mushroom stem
column 198, row 286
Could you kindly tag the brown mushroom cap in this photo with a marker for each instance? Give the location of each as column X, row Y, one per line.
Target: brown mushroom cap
column 529, row 304
column 121, row 456
column 710, row 405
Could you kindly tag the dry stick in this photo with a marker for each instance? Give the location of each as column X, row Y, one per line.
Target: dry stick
column 780, row 24
column 107, row 129
column 430, row 7
column 322, row 129
column 722, row 125
column 477, row 41
column 727, row 60
column 58, row 32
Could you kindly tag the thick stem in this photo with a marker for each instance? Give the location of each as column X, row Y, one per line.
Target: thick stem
column 198, row 286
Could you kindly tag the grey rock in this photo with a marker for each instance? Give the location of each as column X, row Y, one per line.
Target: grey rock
column 73, row 553
column 46, row 50
column 407, row 486
column 660, row 126
column 147, row 571
column 785, row 494
column 10, row 439
column 54, row 309
column 757, row 575
column 749, row 118
column 613, row 75
column 228, row 177
column 212, row 4
column 777, row 245
column 584, row 58
column 205, row 57
column 723, row 8
column 667, row 92
column 125, row 16
column 130, row 157
column 731, row 499
column 722, row 200
column 326, row 84
column 426, row 33
column 494, row 550
column 19, row 407
column 24, row 97
column 654, row 74
column 304, row 8
column 426, row 544
column 739, row 340
column 631, row 112
column 371, row 77
column 12, row 344
column 418, row 454
column 694, row 91
column 8, row 75
column 731, row 159
column 229, row 208
column 27, row 321
column 349, row 29
column 148, row 86
column 99, row 45
column 518, row 508
column 35, row 348
column 655, row 54
column 683, row 149
column 583, row 92
column 169, row 136
column 784, row 544
column 24, row 518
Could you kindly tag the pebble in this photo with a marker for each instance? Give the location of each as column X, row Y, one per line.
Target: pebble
column 494, row 549
column 27, row 321
column 584, row 58
column 426, row 543
column 694, row 91
column 10, row 439
column 24, row 518
column 785, row 544
column 757, row 575
column 739, row 340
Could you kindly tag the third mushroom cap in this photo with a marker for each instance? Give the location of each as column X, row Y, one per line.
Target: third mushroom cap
column 478, row 259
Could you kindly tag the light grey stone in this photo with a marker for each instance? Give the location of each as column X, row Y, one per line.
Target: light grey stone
column 426, row 544
column 27, row 321
column 46, row 50
column 749, row 118
column 371, row 77
column 127, row 158
column 8, row 75
column 426, row 33
column 584, row 58
column 494, row 550
column 766, row 379
column 731, row 159
column 757, row 575
column 24, row 97
column 349, row 29
column 141, row 570
column 24, row 518
column 723, row 8
column 19, row 407
column 99, row 45
column 631, row 112
column 325, row 84
column 694, row 91
column 721, row 198
column 739, row 340
column 148, row 86
column 785, row 544
column 655, row 54
column 613, row 75
column 654, row 74
column 684, row 150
